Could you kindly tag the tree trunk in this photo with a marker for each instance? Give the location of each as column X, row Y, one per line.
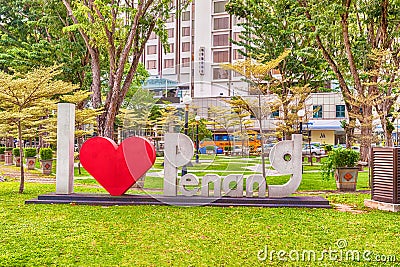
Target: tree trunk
column 21, row 154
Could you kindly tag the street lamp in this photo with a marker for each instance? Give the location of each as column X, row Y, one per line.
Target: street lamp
column 197, row 119
column 187, row 100
column 300, row 114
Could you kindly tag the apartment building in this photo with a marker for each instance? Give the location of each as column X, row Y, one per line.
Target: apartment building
column 199, row 42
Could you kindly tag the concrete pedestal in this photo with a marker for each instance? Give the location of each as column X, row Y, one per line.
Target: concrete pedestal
column 373, row 204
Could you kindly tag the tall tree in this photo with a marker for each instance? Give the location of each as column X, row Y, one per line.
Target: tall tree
column 25, row 96
column 31, row 36
column 270, row 28
column 118, row 32
column 346, row 32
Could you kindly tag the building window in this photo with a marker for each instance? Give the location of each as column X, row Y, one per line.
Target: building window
column 171, row 18
column 170, row 33
column 151, row 64
column 221, row 40
column 152, row 36
column 237, row 55
column 219, row 74
column 236, row 36
column 237, row 21
column 186, row 16
column 221, row 56
column 185, row 47
column 185, row 62
column 171, row 48
column 219, row 7
column 185, row 31
column 221, row 23
column 168, row 63
column 275, row 114
column 317, row 111
column 340, row 111
column 151, row 49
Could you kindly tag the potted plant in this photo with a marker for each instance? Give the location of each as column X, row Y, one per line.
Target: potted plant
column 30, row 155
column 17, row 156
column 2, row 149
column 8, row 156
column 46, row 158
column 342, row 163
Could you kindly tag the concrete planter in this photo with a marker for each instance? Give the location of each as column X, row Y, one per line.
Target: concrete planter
column 346, row 178
column 46, row 166
column 8, row 158
column 17, row 161
column 30, row 163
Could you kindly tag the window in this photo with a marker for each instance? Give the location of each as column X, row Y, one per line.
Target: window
column 152, row 36
column 185, row 31
column 236, row 36
column 219, row 7
column 237, row 55
column 151, row 49
column 221, row 40
column 219, row 74
column 340, row 111
column 317, row 111
column 186, row 16
column 221, row 23
column 151, row 64
column 185, row 62
column 185, row 47
column 171, row 48
column 275, row 114
column 221, row 56
column 171, row 18
column 170, row 33
column 168, row 63
column 237, row 21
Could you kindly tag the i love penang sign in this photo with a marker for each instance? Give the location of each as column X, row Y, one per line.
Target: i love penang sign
column 117, row 168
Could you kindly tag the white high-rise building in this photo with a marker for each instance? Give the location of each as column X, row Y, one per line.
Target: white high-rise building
column 199, row 42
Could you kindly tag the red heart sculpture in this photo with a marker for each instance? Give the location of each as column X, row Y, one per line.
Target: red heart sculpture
column 115, row 167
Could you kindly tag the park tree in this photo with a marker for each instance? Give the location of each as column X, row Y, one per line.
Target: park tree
column 270, row 27
column 346, row 33
column 31, row 37
column 117, row 31
column 24, row 97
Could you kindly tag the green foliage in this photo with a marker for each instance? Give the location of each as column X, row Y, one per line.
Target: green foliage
column 30, row 152
column 8, row 149
column 46, row 153
column 16, row 152
column 328, row 148
column 2, row 149
column 339, row 158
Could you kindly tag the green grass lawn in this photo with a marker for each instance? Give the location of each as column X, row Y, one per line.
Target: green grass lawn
column 73, row 235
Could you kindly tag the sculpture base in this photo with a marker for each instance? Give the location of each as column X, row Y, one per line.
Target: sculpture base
column 379, row 205
column 107, row 200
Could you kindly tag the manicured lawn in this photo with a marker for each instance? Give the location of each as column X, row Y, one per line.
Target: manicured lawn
column 43, row 235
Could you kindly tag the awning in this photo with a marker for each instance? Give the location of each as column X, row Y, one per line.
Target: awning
column 333, row 125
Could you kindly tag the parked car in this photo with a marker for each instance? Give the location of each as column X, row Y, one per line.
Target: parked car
column 315, row 151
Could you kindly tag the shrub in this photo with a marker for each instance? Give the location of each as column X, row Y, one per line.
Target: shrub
column 46, row 154
column 30, row 152
column 2, row 149
column 8, row 149
column 339, row 158
column 15, row 152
